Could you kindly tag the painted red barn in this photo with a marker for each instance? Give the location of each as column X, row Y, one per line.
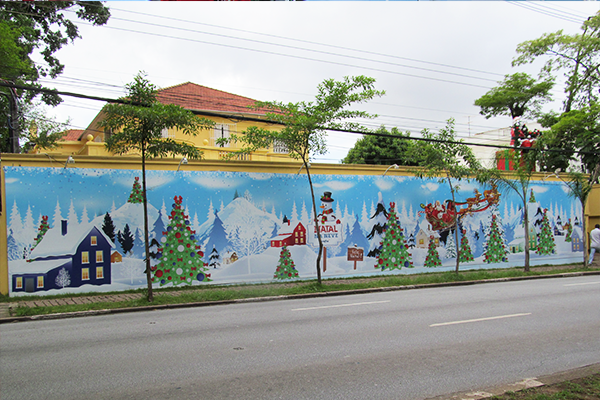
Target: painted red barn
column 290, row 237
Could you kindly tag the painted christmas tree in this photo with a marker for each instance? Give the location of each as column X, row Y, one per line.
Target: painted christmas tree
column 180, row 257
column 545, row 241
column 41, row 230
column 465, row 249
column 285, row 268
column 136, row 192
column 394, row 250
column 569, row 228
column 433, row 258
column 495, row 251
column 532, row 197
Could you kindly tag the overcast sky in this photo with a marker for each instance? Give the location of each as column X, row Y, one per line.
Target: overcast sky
column 433, row 59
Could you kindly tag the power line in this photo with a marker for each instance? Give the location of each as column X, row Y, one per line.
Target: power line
column 263, row 120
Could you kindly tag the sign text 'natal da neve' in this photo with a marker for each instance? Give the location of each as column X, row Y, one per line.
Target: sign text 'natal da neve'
column 330, row 227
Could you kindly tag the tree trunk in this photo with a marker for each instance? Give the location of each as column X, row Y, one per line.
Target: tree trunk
column 150, row 297
column 456, row 244
column 526, row 229
column 314, row 204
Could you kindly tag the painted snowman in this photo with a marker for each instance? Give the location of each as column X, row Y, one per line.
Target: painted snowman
column 326, row 215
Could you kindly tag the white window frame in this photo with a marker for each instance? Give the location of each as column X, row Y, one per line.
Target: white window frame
column 221, row 131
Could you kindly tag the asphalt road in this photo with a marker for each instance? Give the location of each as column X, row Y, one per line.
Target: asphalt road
column 411, row 344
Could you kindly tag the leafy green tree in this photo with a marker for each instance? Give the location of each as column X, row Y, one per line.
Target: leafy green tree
column 518, row 95
column 383, row 148
column 580, row 186
column 305, row 126
column 137, row 127
column 447, row 159
column 28, row 28
column 574, row 136
column 517, row 181
column 578, row 56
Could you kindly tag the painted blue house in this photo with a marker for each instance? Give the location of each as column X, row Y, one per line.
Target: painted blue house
column 66, row 258
column 576, row 239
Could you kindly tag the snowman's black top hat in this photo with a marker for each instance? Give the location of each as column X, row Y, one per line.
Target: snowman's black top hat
column 326, row 197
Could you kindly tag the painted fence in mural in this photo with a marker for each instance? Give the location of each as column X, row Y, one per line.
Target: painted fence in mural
column 81, row 230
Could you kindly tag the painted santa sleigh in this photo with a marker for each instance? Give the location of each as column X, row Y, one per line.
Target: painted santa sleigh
column 443, row 216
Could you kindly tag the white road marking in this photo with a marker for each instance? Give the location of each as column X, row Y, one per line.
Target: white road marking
column 479, row 319
column 580, row 284
column 341, row 305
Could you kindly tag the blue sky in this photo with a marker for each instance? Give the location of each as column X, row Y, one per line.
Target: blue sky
column 40, row 188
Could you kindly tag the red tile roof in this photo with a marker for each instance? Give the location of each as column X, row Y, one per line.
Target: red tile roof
column 201, row 98
column 72, row 135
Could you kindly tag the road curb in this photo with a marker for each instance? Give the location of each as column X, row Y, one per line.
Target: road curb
column 526, row 383
column 77, row 314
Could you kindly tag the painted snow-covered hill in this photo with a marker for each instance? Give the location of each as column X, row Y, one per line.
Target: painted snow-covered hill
column 241, row 213
column 130, row 214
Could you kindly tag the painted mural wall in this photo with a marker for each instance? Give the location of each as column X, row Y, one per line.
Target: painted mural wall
column 81, row 229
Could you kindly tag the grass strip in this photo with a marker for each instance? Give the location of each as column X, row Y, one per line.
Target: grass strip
column 199, row 294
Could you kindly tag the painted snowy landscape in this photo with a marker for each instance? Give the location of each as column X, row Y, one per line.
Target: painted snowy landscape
column 81, row 230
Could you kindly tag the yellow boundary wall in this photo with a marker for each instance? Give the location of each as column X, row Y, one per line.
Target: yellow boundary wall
column 43, row 160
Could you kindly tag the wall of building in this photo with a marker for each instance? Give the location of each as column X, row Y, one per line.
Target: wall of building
column 214, row 221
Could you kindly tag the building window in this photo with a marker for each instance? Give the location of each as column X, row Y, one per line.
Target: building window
column 279, row 147
column 421, row 241
column 94, row 240
column 85, row 274
column 166, row 134
column 85, row 257
column 296, row 240
column 99, row 273
column 296, row 233
column 19, row 283
column 40, row 281
column 221, row 131
column 99, row 256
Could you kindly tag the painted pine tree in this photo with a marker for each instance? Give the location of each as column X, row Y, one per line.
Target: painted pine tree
column 495, row 249
column 465, row 249
column 180, row 256
column 108, row 227
column 285, row 267
column 545, row 242
column 136, row 192
column 433, row 258
column 450, row 246
column 214, row 258
column 394, row 250
column 12, row 247
column 41, row 230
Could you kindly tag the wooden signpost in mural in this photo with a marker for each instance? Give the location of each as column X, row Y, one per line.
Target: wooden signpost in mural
column 355, row 254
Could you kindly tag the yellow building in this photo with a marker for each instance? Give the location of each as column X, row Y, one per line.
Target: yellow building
column 229, row 112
